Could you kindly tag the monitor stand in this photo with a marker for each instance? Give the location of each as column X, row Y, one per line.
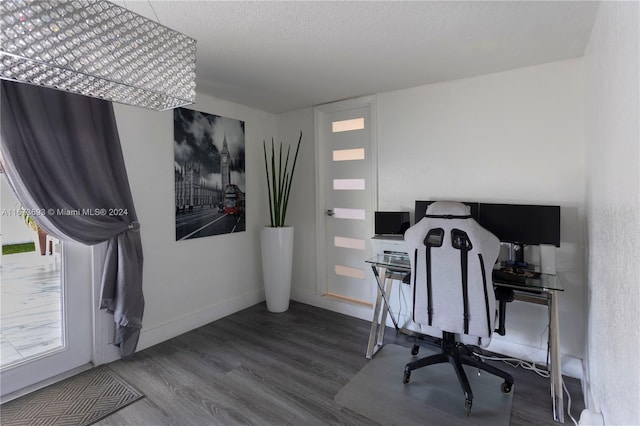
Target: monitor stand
column 516, row 255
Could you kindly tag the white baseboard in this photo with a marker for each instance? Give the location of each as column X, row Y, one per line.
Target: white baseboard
column 572, row 367
column 332, row 304
column 177, row 326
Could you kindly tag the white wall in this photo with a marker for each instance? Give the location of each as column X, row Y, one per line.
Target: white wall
column 191, row 283
column 515, row 136
column 612, row 64
column 302, row 208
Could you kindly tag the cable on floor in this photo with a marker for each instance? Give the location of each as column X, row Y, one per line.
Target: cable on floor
column 568, row 403
column 515, row 362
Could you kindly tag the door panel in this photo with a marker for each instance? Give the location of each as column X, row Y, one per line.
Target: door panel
column 347, row 180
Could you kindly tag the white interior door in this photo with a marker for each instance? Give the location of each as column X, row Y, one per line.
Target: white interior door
column 347, row 193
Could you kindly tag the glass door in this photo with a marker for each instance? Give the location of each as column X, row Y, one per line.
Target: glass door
column 45, row 304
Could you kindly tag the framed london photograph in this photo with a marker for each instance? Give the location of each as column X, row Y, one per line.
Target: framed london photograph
column 209, row 170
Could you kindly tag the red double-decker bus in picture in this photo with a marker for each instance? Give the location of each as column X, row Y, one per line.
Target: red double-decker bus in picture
column 233, row 200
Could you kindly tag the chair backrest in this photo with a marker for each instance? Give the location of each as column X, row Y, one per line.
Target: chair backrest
column 452, row 258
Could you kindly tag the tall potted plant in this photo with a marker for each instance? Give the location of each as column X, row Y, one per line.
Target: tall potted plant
column 277, row 240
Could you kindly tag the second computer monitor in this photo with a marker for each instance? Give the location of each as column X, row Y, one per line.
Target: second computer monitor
column 522, row 224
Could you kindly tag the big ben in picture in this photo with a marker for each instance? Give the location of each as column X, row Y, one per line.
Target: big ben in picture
column 225, row 164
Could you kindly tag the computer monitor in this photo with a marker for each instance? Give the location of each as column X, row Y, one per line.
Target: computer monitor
column 391, row 223
column 522, row 224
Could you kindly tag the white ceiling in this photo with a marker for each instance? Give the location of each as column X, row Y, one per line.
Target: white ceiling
column 280, row 56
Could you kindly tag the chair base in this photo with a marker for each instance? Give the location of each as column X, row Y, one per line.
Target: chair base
column 457, row 355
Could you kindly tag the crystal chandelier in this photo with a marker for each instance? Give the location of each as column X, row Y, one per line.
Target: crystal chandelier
column 99, row 49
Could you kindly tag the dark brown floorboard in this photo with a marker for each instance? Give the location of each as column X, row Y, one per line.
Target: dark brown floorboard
column 259, row 368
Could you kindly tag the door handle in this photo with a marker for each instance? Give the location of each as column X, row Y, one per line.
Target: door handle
column 330, row 212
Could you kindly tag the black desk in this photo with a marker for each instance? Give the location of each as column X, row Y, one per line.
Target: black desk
column 388, row 268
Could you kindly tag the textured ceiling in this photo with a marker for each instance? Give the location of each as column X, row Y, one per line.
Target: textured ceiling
column 280, row 56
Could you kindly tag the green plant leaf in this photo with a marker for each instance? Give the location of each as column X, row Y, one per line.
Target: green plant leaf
column 273, row 180
column 280, row 181
column 266, row 169
column 293, row 169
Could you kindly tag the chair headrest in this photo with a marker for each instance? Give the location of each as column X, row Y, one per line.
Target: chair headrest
column 448, row 208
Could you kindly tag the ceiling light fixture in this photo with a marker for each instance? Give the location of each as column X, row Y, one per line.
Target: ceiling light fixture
column 99, row 49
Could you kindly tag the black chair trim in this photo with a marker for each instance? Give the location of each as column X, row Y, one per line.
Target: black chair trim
column 447, row 216
column 486, row 292
column 434, row 238
column 415, row 262
column 460, row 241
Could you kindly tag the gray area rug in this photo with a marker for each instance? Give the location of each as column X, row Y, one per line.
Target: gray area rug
column 432, row 397
column 79, row 400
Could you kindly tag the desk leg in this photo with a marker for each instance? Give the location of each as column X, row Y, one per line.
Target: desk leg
column 388, row 282
column 372, row 347
column 557, row 395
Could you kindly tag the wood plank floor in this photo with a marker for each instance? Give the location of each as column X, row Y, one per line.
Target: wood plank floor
column 259, row 368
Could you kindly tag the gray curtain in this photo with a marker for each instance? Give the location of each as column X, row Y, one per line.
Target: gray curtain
column 62, row 155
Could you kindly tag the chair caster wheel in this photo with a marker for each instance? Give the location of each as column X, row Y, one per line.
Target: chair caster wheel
column 406, row 377
column 467, row 406
column 506, row 387
column 415, row 349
